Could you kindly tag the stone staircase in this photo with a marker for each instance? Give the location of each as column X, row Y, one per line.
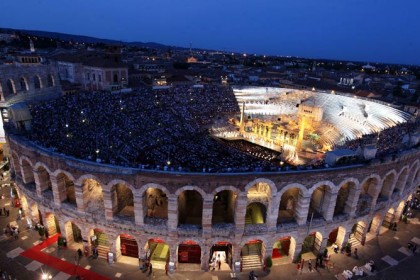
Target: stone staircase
column 252, row 260
column 353, row 241
column 248, row 220
column 103, row 246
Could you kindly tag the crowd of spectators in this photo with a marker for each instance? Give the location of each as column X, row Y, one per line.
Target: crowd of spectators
column 165, row 129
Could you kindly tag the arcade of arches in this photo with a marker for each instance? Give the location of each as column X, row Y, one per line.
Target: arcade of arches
column 198, row 228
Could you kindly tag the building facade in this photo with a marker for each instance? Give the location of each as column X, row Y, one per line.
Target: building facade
column 185, row 218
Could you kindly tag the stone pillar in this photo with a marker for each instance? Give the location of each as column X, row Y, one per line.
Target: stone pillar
column 323, row 244
column 172, row 213
column 240, row 211
column 80, row 193
column 38, row 183
column 207, row 217
column 328, row 206
column 27, row 173
column 273, row 213
column 34, row 213
column 109, row 213
column 86, row 234
column 236, row 253
column 138, row 210
column 351, row 202
column 376, row 226
column 173, row 256
column 205, row 258
column 298, row 249
column 302, row 209
column 59, row 194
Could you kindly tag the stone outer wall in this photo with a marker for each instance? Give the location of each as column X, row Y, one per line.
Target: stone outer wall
column 402, row 170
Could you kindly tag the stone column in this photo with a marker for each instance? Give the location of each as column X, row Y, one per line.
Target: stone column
column 59, row 191
column 323, row 244
column 80, row 193
column 38, row 183
column 66, row 231
column 351, row 203
column 207, row 217
column 109, row 213
column 172, row 213
column 240, row 210
column 173, row 257
column 272, row 214
column 27, row 173
column 138, row 210
column 328, row 206
column 302, row 209
column 376, row 226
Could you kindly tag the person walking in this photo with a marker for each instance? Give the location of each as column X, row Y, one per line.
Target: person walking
column 310, row 265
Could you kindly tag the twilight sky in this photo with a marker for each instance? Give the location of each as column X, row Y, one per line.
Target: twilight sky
column 363, row 30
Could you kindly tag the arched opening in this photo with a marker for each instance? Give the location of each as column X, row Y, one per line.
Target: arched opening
column 387, row 187
column 127, row 246
column 158, row 251
column 318, row 205
column 342, row 204
column 50, row 80
column 155, row 203
column 27, row 173
column 72, row 233
column 44, row 182
column 251, row 254
column 23, row 84
column 401, row 181
column 388, row 221
column 122, row 201
column 311, row 246
column 367, row 194
column 99, row 239
column 11, row 86
column 35, row 214
column 66, row 188
column 358, row 233
column 284, row 247
column 221, row 252
column 336, row 237
column 37, row 82
column 224, row 207
column 288, row 204
column 189, row 252
column 93, row 198
column 190, row 208
column 256, row 213
column 51, row 224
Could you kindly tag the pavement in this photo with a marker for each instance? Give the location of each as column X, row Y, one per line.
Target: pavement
column 389, row 252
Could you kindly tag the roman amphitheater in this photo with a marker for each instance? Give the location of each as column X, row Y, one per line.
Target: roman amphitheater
column 187, row 218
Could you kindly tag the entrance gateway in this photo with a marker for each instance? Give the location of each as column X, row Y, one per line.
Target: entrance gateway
column 221, row 251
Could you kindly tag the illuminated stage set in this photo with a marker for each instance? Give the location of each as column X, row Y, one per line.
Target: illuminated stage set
column 304, row 125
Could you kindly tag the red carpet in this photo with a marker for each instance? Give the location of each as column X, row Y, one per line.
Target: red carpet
column 66, row 267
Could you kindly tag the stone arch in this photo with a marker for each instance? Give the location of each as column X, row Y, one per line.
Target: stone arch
column 346, row 196
column 321, row 199
column 37, row 82
column 51, row 224
column 50, row 80
column 111, row 184
column 191, row 188
column 401, row 180
column 127, row 245
column 11, row 86
column 43, row 179
column 369, row 191
column 224, row 204
column 72, row 231
column 23, row 84
column 66, row 187
column 412, row 176
column 271, row 184
column 93, row 199
column 388, row 185
column 122, row 199
column 26, row 170
column 144, row 188
column 312, row 243
column 289, row 198
column 284, row 246
column 81, row 179
column 155, row 202
column 336, row 236
column 190, row 206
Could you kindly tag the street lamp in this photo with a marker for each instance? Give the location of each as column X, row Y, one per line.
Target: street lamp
column 46, row 276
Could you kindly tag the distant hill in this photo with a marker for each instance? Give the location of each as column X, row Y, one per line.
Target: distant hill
column 87, row 39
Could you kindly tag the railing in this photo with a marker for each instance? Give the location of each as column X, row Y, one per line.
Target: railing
column 155, row 225
column 287, row 226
